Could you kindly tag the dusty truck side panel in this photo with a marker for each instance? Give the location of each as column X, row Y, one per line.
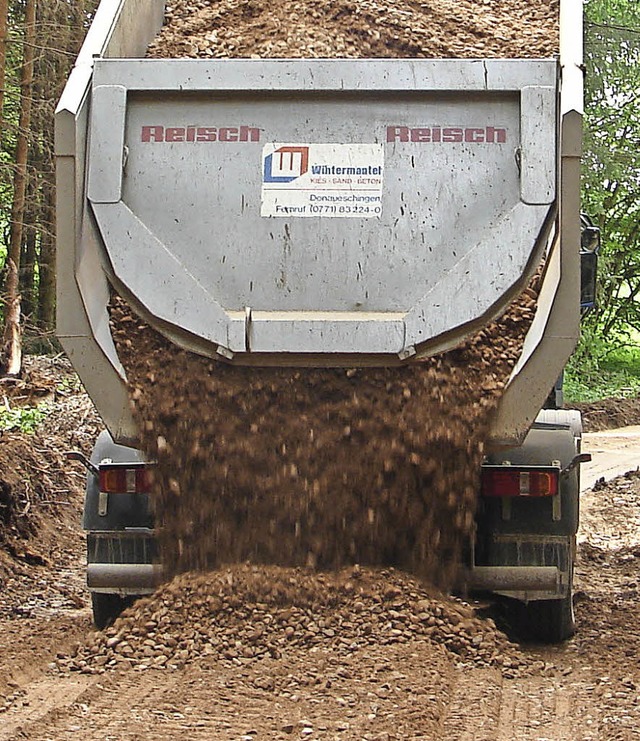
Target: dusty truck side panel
column 120, row 28
column 556, row 328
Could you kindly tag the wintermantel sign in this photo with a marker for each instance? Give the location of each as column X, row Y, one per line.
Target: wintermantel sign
column 330, row 180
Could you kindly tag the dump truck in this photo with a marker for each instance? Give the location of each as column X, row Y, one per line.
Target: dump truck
column 414, row 200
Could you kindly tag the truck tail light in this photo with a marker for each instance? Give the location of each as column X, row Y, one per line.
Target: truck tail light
column 512, row 481
column 125, row 479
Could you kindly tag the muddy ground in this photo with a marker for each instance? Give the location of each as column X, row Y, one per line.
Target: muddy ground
column 370, row 655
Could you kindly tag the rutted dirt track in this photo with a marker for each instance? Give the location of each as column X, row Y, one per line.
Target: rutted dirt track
column 413, row 688
column 379, row 657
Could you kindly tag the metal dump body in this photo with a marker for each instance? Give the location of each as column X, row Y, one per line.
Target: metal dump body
column 321, row 207
column 310, row 212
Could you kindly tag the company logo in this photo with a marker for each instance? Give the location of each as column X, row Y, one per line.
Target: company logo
column 447, row 134
column 176, row 134
column 286, row 164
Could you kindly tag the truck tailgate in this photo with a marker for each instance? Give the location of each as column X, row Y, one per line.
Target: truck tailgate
column 290, row 209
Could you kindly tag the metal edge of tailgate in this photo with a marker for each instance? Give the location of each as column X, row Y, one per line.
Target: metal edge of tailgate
column 558, row 325
column 122, row 27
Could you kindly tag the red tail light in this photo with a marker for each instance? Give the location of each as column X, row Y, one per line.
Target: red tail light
column 125, row 479
column 512, row 481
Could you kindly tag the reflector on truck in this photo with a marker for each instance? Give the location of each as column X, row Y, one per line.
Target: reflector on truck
column 512, row 481
column 125, row 479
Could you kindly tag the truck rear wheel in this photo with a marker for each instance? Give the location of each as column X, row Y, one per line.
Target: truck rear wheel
column 106, row 608
column 551, row 620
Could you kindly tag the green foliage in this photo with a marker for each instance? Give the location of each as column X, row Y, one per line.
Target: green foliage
column 602, row 368
column 69, row 385
column 611, row 162
column 59, row 29
column 607, row 360
column 24, row 419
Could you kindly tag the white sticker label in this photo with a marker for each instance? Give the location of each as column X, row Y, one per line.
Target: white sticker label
column 328, row 180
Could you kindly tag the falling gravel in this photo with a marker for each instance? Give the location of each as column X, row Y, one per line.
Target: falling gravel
column 317, row 467
column 327, row 467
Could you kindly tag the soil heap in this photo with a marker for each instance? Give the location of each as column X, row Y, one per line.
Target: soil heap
column 45, row 414
column 246, row 614
column 359, row 28
column 326, row 467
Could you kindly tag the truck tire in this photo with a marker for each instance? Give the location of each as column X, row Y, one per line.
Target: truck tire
column 106, row 608
column 551, row 620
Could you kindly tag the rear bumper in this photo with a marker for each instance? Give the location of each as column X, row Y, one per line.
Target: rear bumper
column 538, row 579
column 124, row 578
column 123, row 562
column 523, row 566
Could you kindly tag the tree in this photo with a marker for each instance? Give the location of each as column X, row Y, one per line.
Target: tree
column 22, row 145
column 11, row 351
column 611, row 173
column 4, row 27
column 39, row 55
column 12, row 348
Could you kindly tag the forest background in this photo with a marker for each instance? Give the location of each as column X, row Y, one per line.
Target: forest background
column 39, row 40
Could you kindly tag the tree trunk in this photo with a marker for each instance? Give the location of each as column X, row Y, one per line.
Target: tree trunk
column 12, row 347
column 4, row 16
column 11, row 355
column 22, row 145
column 26, row 284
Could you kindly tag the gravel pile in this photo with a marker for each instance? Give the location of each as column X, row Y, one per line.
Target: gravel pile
column 244, row 614
column 359, row 28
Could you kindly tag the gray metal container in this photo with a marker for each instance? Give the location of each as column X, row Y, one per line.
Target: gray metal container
column 316, row 212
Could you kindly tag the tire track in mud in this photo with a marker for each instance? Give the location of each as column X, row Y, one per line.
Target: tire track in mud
column 392, row 692
column 39, row 702
column 488, row 707
column 97, row 708
column 478, row 691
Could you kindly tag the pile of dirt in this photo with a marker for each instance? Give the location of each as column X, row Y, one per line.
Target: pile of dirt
column 317, row 467
column 37, row 484
column 360, row 28
column 242, row 615
column 607, row 414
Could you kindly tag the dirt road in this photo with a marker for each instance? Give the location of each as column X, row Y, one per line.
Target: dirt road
column 392, row 661
column 585, row 690
column 614, row 452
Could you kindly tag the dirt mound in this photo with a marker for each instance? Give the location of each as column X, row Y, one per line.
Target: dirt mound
column 36, row 481
column 241, row 615
column 364, row 28
column 318, row 467
column 607, row 414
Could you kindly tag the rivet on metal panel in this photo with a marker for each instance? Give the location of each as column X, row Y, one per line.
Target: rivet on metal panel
column 408, row 352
